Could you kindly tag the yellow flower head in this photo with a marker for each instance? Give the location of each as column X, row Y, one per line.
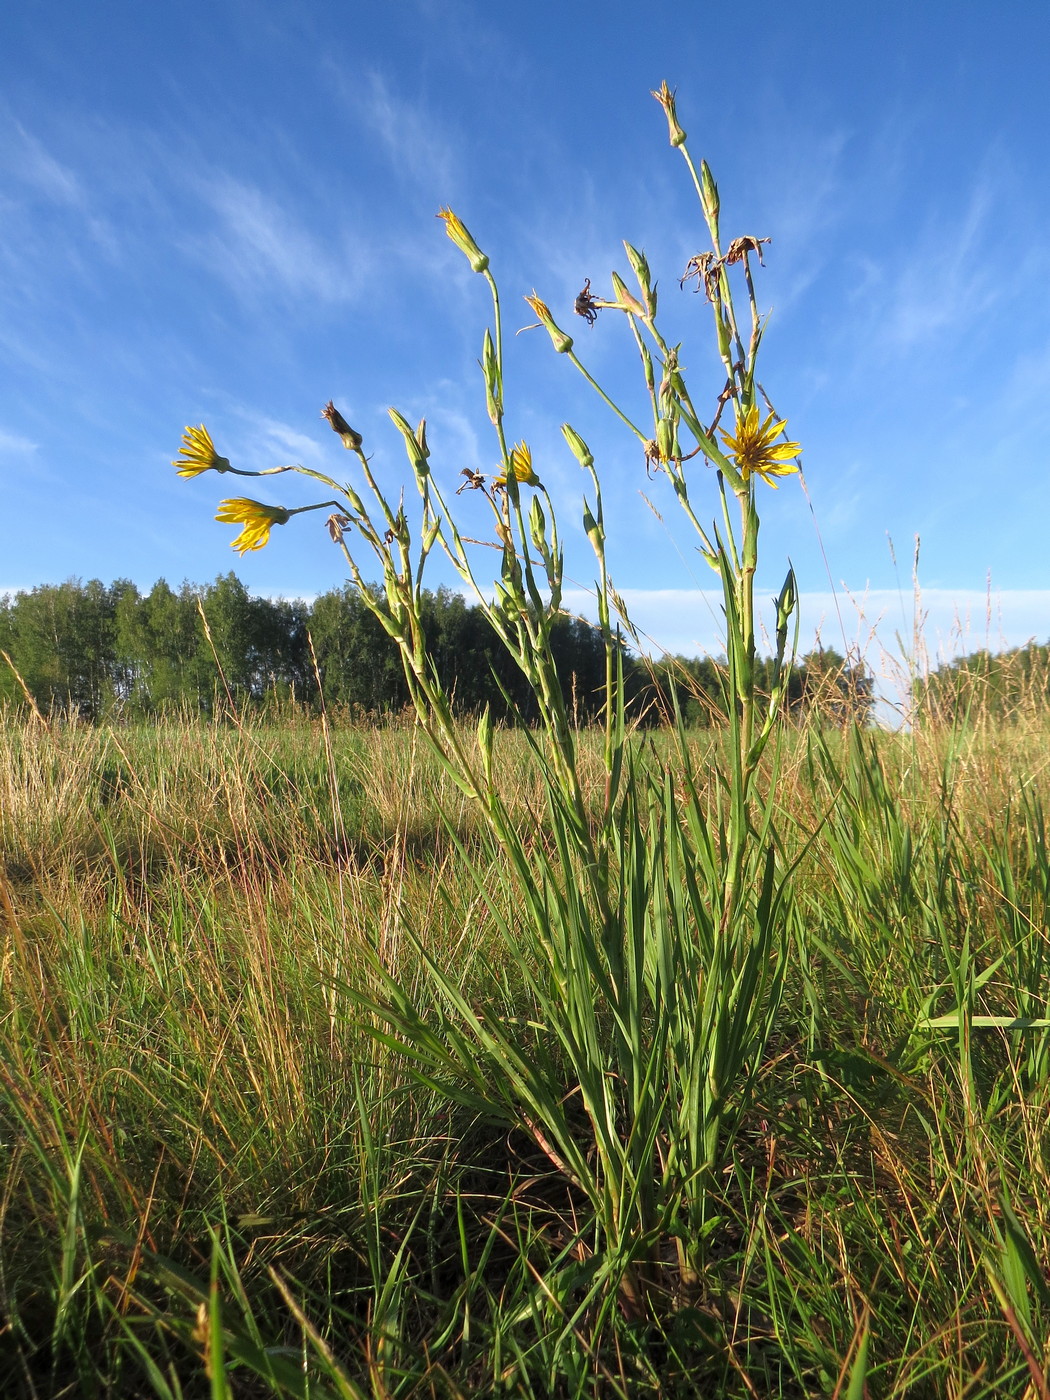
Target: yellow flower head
column 521, row 464
column 756, row 447
column 256, row 518
column 197, row 454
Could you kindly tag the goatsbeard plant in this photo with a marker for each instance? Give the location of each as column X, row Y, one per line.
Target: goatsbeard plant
column 651, row 925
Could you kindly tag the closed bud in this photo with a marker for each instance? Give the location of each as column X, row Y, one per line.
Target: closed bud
column 665, row 436
column 562, row 342
column 412, row 447
column 787, row 601
column 625, row 299
column 579, row 448
column 640, row 267
column 647, row 365
column 708, row 193
column 421, row 438
column 724, row 334
column 351, row 440
column 493, row 380
column 538, row 526
column 460, row 235
column 592, row 529
column 665, row 97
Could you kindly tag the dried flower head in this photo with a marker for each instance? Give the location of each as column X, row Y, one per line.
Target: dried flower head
column 740, row 247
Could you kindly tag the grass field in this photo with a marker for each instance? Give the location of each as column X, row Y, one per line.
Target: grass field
column 221, row 1177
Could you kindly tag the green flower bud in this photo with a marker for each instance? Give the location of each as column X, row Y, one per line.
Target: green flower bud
column 647, row 365
column 416, row 455
column 592, row 529
column 625, row 298
column 538, row 526
column 493, row 380
column 708, row 194
column 579, row 448
column 665, row 439
column 640, row 267
column 421, row 438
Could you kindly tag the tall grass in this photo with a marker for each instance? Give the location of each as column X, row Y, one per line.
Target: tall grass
column 187, row 1090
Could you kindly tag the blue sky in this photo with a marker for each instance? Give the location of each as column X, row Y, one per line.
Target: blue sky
column 224, row 213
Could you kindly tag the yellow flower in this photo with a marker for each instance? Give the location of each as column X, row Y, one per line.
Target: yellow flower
column 256, row 518
column 198, row 454
column 521, row 463
column 756, row 448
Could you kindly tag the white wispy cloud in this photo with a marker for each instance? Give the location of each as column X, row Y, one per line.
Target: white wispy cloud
column 258, row 241
column 941, row 282
column 411, row 132
column 14, row 444
column 29, row 161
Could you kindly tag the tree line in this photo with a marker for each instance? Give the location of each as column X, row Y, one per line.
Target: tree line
column 102, row 651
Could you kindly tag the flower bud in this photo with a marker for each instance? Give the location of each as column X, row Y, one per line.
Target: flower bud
column 579, row 448
column 538, row 526
column 665, row 439
column 625, row 298
column 562, row 342
column 665, row 97
column 421, row 438
column 416, row 455
column 460, row 236
column 593, row 529
column 351, row 440
column 708, row 194
column 493, row 380
column 787, row 602
column 647, row 365
column 640, row 266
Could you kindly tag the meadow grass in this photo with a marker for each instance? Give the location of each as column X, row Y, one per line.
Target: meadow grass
column 221, row 1177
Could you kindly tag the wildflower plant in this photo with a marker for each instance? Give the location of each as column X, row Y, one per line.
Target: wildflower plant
column 650, row 925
